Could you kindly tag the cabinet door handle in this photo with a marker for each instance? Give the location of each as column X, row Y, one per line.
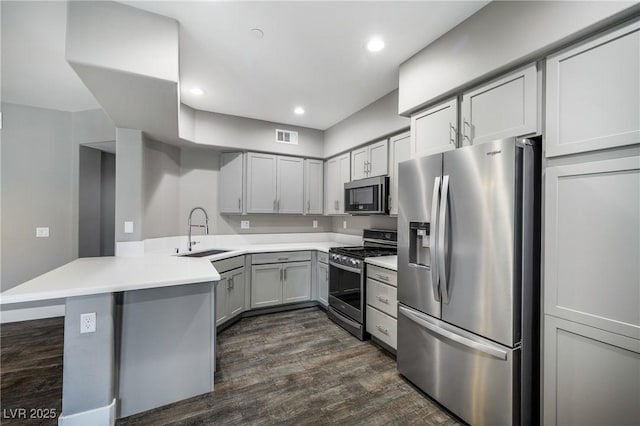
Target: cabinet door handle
column 466, row 124
column 382, row 330
column 239, row 203
column 383, row 300
column 382, row 277
column 274, row 205
column 232, row 283
column 452, row 137
column 308, row 206
column 285, row 273
column 280, row 274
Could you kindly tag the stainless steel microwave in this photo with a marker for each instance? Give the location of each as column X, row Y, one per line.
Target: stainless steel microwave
column 367, row 196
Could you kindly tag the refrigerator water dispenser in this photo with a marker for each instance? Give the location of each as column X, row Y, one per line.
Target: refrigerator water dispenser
column 419, row 244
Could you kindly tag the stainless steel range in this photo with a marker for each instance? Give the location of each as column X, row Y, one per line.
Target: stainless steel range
column 347, row 278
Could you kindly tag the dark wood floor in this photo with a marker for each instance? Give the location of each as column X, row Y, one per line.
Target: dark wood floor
column 294, row 367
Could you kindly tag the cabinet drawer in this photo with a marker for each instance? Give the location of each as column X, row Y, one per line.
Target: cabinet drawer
column 382, row 296
column 387, row 276
column 225, row 265
column 279, row 257
column 382, row 326
column 323, row 257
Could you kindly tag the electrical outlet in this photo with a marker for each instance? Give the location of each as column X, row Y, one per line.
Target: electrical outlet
column 88, row 323
column 344, row 224
column 42, row 232
column 244, row 224
column 128, row 227
column 315, row 223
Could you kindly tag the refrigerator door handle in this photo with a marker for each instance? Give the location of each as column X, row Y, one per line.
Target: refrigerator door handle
column 433, row 252
column 424, row 322
column 442, row 254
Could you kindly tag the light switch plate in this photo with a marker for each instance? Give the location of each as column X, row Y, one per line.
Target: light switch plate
column 344, row 224
column 88, row 323
column 244, row 224
column 42, row 232
column 128, row 227
column 315, row 223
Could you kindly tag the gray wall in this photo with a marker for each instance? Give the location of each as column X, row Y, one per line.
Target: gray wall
column 96, row 203
column 108, row 204
column 375, row 121
column 129, row 195
column 356, row 224
column 38, row 179
column 160, row 189
column 229, row 131
column 89, row 202
column 499, row 36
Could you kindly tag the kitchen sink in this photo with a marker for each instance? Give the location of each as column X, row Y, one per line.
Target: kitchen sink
column 204, row 253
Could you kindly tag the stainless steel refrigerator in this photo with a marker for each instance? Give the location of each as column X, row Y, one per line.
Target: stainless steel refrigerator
column 468, row 279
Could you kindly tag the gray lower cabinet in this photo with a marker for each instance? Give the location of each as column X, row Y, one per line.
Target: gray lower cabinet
column 296, row 282
column 230, row 290
column 274, row 284
column 382, row 305
column 591, row 376
column 322, row 274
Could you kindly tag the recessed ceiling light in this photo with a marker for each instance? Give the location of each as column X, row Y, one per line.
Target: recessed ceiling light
column 196, row 91
column 375, row 45
column 299, row 110
column 257, row 33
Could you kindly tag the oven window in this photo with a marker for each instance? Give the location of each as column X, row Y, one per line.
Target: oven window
column 345, row 285
column 362, row 198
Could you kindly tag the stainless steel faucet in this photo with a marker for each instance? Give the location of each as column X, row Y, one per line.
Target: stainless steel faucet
column 191, row 226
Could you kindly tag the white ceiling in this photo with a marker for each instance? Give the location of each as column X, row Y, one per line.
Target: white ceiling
column 312, row 54
column 34, row 70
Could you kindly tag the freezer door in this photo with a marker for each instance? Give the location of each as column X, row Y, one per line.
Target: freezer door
column 474, row 378
column 419, row 188
column 479, row 234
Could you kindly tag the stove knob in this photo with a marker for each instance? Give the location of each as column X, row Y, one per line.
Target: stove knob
column 354, row 262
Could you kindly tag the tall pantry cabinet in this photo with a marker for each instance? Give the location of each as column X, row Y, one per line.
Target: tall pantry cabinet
column 592, row 231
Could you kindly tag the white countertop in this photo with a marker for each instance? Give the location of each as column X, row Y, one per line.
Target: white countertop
column 96, row 275
column 389, row 262
column 322, row 246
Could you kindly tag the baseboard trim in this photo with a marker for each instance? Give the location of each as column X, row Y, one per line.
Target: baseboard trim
column 103, row 416
column 10, row 314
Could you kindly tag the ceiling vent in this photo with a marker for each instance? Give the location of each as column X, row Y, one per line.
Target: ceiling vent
column 287, row 136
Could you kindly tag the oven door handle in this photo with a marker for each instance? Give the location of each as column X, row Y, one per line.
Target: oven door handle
column 344, row 267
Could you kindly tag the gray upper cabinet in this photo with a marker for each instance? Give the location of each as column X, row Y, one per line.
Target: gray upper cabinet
column 337, row 173
column 503, row 108
column 399, row 151
column 378, row 158
column 592, row 244
column 275, row 184
column 435, row 130
column 230, row 195
column 290, row 193
column 359, row 159
column 262, row 185
column 313, row 186
column 369, row 161
column 593, row 94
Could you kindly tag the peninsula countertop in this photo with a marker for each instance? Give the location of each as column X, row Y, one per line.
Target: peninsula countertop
column 97, row 275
